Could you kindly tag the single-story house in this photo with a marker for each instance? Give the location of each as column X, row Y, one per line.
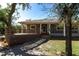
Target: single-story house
column 39, row 26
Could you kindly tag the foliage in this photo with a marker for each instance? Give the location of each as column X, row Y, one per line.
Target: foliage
column 2, row 29
column 6, row 14
column 66, row 12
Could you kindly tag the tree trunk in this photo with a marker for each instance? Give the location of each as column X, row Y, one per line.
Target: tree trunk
column 9, row 29
column 68, row 36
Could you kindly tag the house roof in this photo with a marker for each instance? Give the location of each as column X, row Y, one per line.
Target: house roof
column 50, row 21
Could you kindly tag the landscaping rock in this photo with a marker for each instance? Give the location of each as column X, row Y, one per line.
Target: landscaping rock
column 35, row 52
column 60, row 53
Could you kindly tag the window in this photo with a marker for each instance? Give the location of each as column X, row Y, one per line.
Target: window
column 32, row 27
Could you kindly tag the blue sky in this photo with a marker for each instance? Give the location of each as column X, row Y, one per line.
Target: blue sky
column 36, row 12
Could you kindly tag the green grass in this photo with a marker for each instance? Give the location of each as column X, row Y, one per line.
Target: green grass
column 75, row 47
column 59, row 45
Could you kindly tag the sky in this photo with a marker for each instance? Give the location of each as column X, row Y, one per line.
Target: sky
column 36, row 12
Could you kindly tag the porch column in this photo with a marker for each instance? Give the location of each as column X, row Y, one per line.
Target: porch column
column 64, row 30
column 25, row 27
column 22, row 28
column 35, row 28
column 40, row 28
column 49, row 28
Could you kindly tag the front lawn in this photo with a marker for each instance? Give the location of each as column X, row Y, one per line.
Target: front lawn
column 52, row 46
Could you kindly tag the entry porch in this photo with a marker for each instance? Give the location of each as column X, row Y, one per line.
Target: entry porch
column 38, row 28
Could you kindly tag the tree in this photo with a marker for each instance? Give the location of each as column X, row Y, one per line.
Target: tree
column 8, row 14
column 65, row 12
column 2, row 29
column 3, row 18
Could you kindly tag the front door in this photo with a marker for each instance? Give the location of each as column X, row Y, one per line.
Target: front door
column 44, row 28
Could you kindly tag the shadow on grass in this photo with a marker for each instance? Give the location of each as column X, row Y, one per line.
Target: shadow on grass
column 74, row 55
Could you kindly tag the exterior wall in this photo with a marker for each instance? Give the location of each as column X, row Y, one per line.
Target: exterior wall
column 29, row 29
column 38, row 28
column 53, row 28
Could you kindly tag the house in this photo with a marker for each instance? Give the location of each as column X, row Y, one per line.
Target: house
column 39, row 26
column 30, row 29
column 42, row 26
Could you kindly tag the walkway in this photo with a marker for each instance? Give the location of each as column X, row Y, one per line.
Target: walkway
column 22, row 50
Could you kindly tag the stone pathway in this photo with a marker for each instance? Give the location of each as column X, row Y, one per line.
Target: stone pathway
column 26, row 49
